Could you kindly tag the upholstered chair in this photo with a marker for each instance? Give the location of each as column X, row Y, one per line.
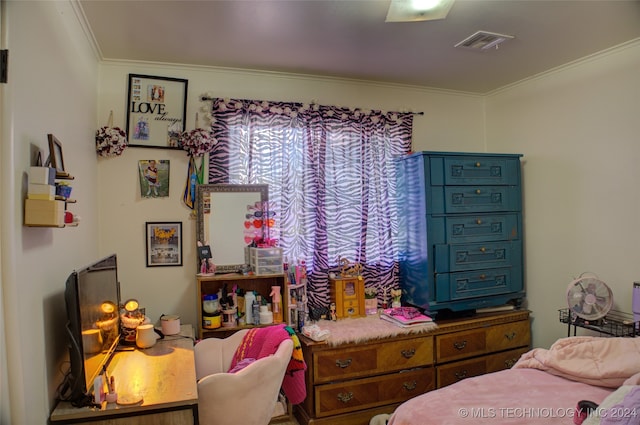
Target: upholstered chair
column 247, row 396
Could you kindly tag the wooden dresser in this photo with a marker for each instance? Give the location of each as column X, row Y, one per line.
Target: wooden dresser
column 349, row 383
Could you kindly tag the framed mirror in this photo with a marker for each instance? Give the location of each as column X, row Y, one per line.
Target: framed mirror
column 224, row 215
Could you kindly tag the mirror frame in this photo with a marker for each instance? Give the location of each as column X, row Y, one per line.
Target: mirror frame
column 207, row 189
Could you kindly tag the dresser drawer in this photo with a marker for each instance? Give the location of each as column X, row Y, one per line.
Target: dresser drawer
column 474, row 228
column 347, row 363
column 359, row 394
column 474, row 199
column 460, row 345
column 474, row 170
column 454, row 372
column 509, row 335
column 477, row 283
column 504, row 360
column 474, row 256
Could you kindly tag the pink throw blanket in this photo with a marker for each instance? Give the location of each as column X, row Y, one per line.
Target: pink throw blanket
column 606, row 362
column 262, row 342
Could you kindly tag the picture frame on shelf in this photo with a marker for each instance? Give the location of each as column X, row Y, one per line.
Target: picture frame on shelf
column 156, row 111
column 163, row 243
column 56, row 158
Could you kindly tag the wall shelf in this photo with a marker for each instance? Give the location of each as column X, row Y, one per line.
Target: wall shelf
column 48, row 212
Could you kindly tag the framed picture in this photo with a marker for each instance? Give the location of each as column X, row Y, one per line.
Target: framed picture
column 164, row 243
column 154, row 178
column 156, row 110
column 56, row 160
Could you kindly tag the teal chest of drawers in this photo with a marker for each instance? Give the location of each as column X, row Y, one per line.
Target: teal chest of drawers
column 460, row 230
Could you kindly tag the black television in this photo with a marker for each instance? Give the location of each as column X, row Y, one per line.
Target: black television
column 92, row 298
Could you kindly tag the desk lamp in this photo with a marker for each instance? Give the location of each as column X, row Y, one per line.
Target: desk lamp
column 130, row 319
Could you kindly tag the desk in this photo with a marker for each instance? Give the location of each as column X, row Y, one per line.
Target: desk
column 163, row 375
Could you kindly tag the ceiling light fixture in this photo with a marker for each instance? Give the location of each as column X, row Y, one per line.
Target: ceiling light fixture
column 418, row 10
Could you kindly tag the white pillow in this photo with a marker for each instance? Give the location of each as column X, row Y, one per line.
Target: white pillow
column 612, row 399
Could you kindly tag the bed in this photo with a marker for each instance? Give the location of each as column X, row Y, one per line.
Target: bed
column 543, row 387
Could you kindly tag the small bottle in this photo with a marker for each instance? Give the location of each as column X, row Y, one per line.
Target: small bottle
column 301, row 315
column 255, row 312
column 276, row 304
column 249, row 299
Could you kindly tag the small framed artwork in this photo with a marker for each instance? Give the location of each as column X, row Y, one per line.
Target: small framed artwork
column 164, row 243
column 156, row 110
column 154, row 178
column 56, row 160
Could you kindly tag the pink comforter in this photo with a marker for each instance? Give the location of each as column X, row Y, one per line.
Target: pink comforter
column 543, row 388
column 508, row 397
column 607, row 362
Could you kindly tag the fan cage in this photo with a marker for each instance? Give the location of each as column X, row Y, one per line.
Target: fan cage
column 615, row 323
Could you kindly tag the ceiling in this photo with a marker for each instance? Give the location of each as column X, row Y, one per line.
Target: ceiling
column 350, row 38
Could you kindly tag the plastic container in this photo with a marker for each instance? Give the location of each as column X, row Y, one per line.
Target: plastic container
column 266, row 260
column 211, row 321
column 266, row 317
column 210, row 304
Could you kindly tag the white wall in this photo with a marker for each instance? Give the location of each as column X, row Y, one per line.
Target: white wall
column 123, row 212
column 578, row 129
column 52, row 89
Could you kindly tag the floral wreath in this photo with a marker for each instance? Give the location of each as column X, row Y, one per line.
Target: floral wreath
column 197, row 142
column 110, row 141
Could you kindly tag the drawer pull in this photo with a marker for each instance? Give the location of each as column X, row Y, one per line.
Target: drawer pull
column 343, row 363
column 478, row 221
column 345, row 397
column 510, row 362
column 510, row 336
column 407, row 354
column 483, row 249
column 477, row 164
column 461, row 375
column 483, row 276
column 410, row 386
column 477, row 191
column 460, row 345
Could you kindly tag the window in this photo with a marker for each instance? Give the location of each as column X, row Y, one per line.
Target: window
column 331, row 180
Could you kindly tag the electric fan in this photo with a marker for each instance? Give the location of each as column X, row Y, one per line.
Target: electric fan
column 589, row 298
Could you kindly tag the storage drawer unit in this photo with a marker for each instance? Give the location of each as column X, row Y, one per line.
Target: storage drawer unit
column 266, row 261
column 460, row 230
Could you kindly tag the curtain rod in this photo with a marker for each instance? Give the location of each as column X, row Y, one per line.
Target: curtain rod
column 207, row 98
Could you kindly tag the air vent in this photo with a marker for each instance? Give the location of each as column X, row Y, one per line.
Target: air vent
column 483, row 40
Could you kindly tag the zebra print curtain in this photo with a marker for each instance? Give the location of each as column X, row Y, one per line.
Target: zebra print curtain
column 331, row 178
